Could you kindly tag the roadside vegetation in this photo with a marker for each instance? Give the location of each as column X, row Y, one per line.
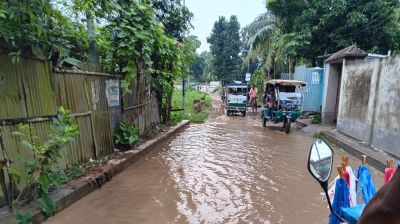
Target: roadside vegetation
column 293, row 32
column 42, row 172
column 190, row 113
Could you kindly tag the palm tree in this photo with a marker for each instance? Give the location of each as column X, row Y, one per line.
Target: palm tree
column 268, row 42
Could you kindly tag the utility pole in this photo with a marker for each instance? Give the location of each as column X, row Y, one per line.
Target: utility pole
column 183, row 78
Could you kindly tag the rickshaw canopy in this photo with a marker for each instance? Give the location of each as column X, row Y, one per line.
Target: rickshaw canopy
column 284, row 82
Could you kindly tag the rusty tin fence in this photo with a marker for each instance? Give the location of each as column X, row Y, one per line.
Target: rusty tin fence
column 31, row 93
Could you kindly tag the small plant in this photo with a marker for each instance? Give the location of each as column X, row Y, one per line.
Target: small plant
column 75, row 171
column 316, row 119
column 42, row 169
column 319, row 135
column 176, row 117
column 126, row 134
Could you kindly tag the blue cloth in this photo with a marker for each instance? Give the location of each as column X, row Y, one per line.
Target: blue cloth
column 341, row 200
column 366, row 184
column 352, row 214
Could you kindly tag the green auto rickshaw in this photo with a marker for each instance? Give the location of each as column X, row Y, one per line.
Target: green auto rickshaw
column 236, row 98
column 282, row 103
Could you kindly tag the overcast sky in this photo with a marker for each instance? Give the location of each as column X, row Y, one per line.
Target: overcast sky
column 206, row 12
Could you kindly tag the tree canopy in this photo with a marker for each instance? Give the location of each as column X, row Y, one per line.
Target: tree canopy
column 332, row 25
column 225, row 46
column 292, row 30
column 129, row 38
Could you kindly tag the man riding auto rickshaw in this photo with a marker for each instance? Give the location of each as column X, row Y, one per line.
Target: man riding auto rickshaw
column 282, row 103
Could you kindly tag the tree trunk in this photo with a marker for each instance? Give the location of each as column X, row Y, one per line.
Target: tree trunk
column 93, row 55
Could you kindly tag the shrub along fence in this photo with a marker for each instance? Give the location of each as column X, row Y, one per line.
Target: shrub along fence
column 31, row 92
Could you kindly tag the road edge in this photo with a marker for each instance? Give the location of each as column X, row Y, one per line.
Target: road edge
column 67, row 195
column 353, row 147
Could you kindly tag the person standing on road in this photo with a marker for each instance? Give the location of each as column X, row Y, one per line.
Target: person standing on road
column 253, row 94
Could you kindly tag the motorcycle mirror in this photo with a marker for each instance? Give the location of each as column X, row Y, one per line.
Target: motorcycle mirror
column 320, row 161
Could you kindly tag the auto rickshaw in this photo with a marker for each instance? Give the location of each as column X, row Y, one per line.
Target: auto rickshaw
column 236, row 98
column 281, row 102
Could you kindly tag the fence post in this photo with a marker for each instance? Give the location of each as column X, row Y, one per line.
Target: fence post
column 7, row 194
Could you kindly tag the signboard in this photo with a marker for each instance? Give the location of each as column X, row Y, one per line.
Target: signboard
column 248, row 76
column 113, row 92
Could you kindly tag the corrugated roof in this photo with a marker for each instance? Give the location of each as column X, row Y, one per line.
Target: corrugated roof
column 348, row 52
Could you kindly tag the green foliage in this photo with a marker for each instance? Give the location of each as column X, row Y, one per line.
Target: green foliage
column 225, row 46
column 72, row 173
column 36, row 27
column 176, row 117
column 142, row 38
column 196, row 118
column 316, row 119
column 189, row 113
column 319, row 135
column 278, row 50
column 175, row 17
column 41, row 171
column 189, row 55
column 257, row 79
column 198, row 66
column 293, row 30
column 332, row 25
column 24, row 218
column 126, row 134
column 133, row 35
column 135, row 38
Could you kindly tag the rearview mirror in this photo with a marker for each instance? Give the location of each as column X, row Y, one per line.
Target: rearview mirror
column 320, row 161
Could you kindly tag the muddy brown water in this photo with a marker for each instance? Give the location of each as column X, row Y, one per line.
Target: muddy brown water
column 228, row 170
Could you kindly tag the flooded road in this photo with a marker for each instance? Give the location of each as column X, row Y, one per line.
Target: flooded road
column 228, row 170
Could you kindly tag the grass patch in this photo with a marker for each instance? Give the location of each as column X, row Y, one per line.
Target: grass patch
column 189, row 113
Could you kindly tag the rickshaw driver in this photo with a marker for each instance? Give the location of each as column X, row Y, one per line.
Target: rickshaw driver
column 269, row 99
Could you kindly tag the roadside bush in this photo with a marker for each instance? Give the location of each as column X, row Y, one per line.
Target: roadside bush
column 316, row 119
column 319, row 135
column 41, row 173
column 126, row 134
column 196, row 118
column 176, row 117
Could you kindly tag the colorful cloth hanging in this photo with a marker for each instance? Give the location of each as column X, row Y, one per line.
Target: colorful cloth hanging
column 389, row 172
column 352, row 186
column 366, row 184
column 341, row 200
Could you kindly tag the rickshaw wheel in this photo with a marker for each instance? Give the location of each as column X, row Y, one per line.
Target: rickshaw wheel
column 287, row 125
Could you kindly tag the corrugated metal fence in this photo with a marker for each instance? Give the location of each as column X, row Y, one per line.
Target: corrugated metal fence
column 313, row 92
column 29, row 89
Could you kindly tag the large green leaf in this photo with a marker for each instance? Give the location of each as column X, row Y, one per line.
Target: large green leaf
column 25, row 218
column 71, row 61
column 44, row 182
column 47, row 204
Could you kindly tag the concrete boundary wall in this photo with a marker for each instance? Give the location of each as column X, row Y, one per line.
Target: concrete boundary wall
column 369, row 108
